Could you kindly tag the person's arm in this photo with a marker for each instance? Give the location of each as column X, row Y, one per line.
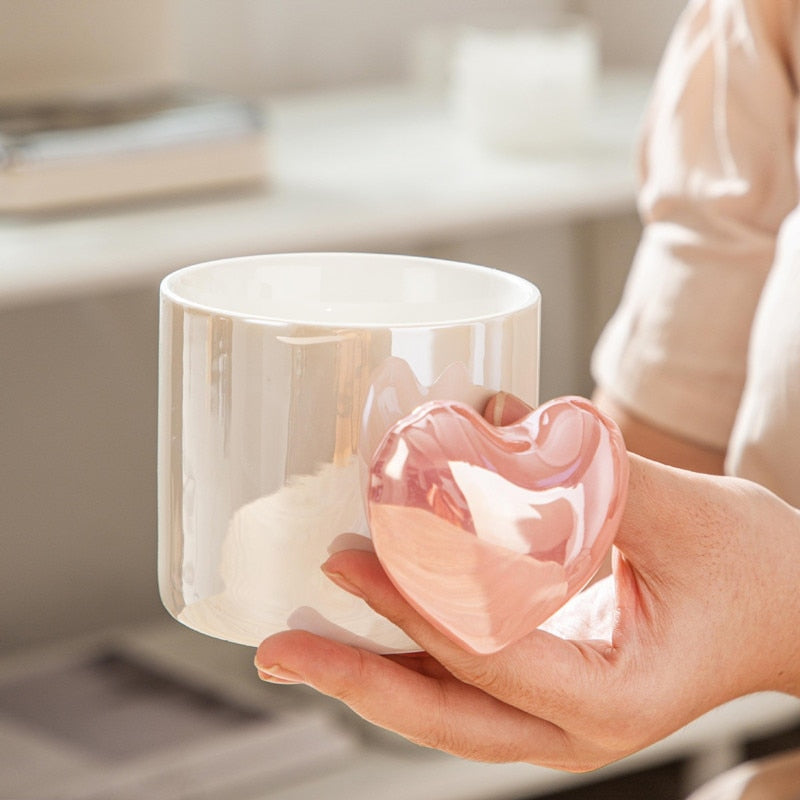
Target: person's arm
column 660, row 445
column 717, row 182
column 702, row 607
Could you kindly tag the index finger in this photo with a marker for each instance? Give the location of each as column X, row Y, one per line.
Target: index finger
column 555, row 679
column 433, row 711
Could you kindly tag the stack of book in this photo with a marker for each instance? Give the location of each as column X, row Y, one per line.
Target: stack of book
column 68, row 154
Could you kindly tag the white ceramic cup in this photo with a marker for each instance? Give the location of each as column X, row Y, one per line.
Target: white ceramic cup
column 279, row 375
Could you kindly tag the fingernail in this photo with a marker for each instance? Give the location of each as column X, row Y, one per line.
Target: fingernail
column 341, row 581
column 275, row 673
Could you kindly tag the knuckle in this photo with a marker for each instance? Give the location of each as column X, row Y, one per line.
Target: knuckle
column 450, row 735
column 445, row 739
column 442, row 734
column 480, row 672
column 451, row 739
column 351, row 682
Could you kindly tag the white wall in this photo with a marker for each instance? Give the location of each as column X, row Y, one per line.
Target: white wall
column 632, row 33
column 99, row 47
column 268, row 45
column 77, row 465
column 264, row 46
column 272, row 45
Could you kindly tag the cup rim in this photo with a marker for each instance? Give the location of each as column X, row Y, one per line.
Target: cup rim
column 529, row 294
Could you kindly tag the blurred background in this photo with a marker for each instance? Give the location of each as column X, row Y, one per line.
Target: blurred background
column 136, row 138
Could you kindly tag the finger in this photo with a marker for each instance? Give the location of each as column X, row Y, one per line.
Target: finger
column 361, row 574
column 419, row 662
column 542, row 674
column 505, row 409
column 441, row 713
column 643, row 496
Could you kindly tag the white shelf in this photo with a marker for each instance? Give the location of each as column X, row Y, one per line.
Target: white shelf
column 361, row 170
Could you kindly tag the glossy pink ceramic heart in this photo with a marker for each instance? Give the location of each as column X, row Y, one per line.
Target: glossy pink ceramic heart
column 488, row 531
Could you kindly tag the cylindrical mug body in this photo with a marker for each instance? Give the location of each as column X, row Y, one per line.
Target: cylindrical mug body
column 279, row 375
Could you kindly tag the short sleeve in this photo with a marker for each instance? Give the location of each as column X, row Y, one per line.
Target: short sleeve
column 717, row 179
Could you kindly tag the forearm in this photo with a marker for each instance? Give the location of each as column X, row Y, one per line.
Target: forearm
column 774, row 532
column 657, row 444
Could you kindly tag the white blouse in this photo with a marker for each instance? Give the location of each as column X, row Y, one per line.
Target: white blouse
column 706, row 341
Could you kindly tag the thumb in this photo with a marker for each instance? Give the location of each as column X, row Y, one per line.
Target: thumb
column 658, row 531
column 505, row 409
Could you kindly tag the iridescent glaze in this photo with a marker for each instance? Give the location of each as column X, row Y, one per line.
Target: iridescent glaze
column 488, row 531
column 279, row 375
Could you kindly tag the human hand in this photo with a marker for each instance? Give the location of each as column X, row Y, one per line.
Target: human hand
column 686, row 622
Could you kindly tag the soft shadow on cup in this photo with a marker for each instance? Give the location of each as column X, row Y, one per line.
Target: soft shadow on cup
column 278, row 376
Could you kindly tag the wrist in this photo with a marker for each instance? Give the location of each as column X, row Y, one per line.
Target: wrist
column 776, row 525
column 658, row 444
column 763, row 535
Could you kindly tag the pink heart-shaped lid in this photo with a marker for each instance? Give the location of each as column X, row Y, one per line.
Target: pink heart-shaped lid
column 487, row 531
